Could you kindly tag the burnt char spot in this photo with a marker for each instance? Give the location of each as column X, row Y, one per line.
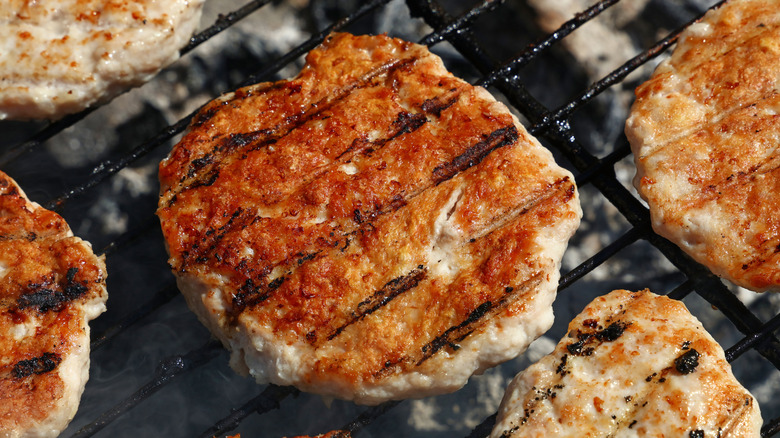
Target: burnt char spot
column 687, row 362
column 592, row 323
column 475, row 154
column 562, row 367
column 575, row 348
column 380, row 298
column 584, row 347
column 46, row 299
column 650, row 377
column 612, row 332
column 698, row 433
column 305, row 258
column 37, row 365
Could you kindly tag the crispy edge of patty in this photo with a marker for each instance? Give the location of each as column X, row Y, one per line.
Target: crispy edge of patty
column 206, row 296
column 42, row 383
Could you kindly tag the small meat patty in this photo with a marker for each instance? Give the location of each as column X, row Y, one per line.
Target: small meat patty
column 705, row 132
column 372, row 229
column 633, row 364
column 51, row 285
column 62, row 56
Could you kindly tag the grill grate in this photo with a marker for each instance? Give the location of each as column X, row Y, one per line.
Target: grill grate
column 148, row 392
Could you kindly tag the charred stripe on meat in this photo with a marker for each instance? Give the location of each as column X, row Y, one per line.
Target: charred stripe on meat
column 380, row 298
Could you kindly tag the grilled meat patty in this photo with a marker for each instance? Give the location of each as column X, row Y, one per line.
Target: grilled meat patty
column 62, row 56
column 633, row 364
column 51, row 285
column 706, row 140
column 372, row 229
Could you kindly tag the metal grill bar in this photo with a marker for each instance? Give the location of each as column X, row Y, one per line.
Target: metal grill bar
column 166, row 371
column 458, row 25
column 223, row 22
column 535, row 49
column 368, row 416
column 268, row 400
column 751, row 340
column 161, row 298
column 602, row 256
column 771, row 428
column 552, row 125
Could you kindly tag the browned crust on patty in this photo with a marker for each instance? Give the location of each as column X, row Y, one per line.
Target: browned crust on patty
column 52, row 284
column 311, row 208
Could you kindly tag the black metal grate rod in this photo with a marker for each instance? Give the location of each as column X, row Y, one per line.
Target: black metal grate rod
column 267, row 401
column 166, row 371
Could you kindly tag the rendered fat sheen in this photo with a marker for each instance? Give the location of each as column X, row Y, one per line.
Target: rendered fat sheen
column 405, row 230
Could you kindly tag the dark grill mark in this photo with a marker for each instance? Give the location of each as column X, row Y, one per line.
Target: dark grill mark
column 435, row 105
column 408, row 122
column 687, row 362
column 207, row 176
column 268, row 136
column 199, row 163
column 46, row 299
column 698, row 433
column 475, row 154
column 250, row 294
column 478, row 316
column 391, row 290
column 456, row 333
column 199, row 251
column 205, row 180
column 37, row 365
column 240, row 94
column 204, row 116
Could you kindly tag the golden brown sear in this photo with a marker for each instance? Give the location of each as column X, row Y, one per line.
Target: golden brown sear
column 51, row 285
column 374, row 228
column 705, row 134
